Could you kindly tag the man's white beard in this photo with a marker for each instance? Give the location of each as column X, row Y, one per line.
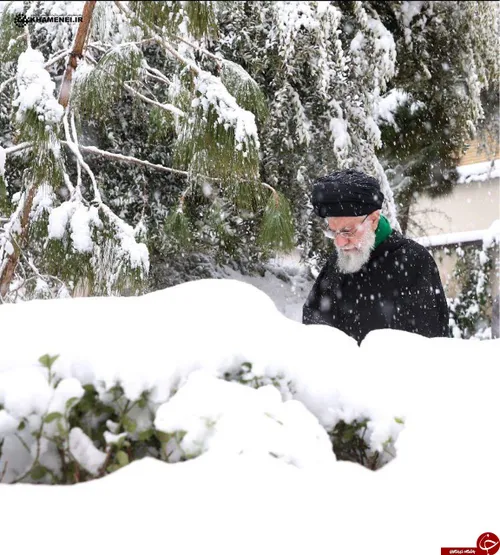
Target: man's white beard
column 351, row 261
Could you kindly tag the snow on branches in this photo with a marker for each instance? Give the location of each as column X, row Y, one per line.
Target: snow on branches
column 216, row 137
column 229, row 114
column 36, row 89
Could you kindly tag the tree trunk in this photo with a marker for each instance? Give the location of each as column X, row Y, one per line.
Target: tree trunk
column 81, row 37
column 21, row 240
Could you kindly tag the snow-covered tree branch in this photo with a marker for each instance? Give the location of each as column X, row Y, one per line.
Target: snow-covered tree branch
column 212, row 138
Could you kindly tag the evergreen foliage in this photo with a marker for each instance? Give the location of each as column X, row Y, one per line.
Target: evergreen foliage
column 373, row 85
column 470, row 309
column 142, row 62
column 197, row 17
column 98, row 89
column 222, row 98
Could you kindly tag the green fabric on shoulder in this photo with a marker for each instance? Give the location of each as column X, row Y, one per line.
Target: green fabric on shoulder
column 384, row 229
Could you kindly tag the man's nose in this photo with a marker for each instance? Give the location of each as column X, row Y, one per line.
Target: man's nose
column 341, row 241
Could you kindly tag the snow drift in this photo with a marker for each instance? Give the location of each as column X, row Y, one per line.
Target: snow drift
column 263, row 477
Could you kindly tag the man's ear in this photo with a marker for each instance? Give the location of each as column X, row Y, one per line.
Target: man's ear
column 375, row 219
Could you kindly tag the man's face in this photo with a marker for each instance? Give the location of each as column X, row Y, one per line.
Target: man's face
column 354, row 238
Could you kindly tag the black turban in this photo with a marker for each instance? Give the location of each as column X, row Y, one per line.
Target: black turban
column 346, row 193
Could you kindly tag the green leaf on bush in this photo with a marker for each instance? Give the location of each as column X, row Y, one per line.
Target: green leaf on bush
column 38, row 472
column 388, row 441
column 142, row 403
column 348, row 434
column 399, row 420
column 146, row 435
column 129, row 425
column 116, row 391
column 22, row 425
column 162, row 436
column 47, row 360
column 51, row 417
column 122, row 458
column 121, row 443
column 63, row 432
column 71, row 402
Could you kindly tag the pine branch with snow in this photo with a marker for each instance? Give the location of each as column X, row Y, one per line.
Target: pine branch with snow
column 212, row 140
column 196, row 19
column 97, row 88
column 322, row 96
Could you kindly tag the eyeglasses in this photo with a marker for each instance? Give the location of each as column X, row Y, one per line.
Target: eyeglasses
column 347, row 234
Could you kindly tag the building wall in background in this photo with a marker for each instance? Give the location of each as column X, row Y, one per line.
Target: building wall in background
column 471, row 206
column 474, row 203
column 475, row 153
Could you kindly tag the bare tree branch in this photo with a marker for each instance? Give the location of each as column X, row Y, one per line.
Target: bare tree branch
column 273, row 190
column 73, row 145
column 159, row 167
column 203, row 50
column 129, row 159
column 13, row 259
column 167, row 107
column 16, row 148
column 78, row 190
column 157, row 74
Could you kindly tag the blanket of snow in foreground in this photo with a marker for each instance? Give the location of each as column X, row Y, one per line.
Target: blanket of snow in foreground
column 442, row 489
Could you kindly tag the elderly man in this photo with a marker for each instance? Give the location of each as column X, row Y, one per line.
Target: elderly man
column 375, row 278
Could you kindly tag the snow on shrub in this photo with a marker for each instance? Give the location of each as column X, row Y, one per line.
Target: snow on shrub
column 211, row 415
column 200, row 369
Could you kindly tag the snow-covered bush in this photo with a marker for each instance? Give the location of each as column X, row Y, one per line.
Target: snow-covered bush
column 225, row 383
column 61, row 431
column 224, row 418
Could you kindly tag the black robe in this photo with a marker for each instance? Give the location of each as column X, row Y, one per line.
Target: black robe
column 399, row 288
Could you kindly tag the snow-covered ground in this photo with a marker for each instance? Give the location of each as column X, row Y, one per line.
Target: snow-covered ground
column 264, row 479
column 286, row 281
